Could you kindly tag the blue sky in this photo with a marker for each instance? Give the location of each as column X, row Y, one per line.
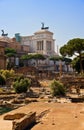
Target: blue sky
column 65, row 18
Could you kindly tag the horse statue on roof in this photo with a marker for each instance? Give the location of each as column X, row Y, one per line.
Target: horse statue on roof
column 44, row 27
column 4, row 34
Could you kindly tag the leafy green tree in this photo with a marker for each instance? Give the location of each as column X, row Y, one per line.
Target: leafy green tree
column 67, row 62
column 76, row 63
column 58, row 58
column 74, row 47
column 54, row 59
column 10, row 52
column 26, row 58
column 33, row 56
column 38, row 57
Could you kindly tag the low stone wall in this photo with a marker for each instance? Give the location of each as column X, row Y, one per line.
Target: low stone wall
column 14, row 116
column 24, row 122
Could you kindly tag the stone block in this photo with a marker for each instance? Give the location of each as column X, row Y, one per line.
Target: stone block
column 24, row 122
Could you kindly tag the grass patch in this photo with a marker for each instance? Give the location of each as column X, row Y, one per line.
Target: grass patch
column 4, row 110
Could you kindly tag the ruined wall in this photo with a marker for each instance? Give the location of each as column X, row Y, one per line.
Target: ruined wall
column 24, row 122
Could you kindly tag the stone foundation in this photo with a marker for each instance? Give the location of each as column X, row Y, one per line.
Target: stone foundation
column 24, row 122
column 21, row 121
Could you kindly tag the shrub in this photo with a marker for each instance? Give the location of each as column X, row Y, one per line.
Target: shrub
column 1, row 90
column 21, row 85
column 2, row 80
column 57, row 88
column 12, row 72
column 19, row 77
column 7, row 73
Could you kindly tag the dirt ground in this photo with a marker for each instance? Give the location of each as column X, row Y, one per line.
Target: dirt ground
column 53, row 115
column 63, row 117
column 57, row 116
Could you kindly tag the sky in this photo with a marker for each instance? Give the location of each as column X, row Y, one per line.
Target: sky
column 65, row 18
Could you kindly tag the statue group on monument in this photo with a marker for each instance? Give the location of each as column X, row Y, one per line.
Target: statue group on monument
column 4, row 34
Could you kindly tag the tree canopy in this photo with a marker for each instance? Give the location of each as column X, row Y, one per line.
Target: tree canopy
column 10, row 52
column 56, row 58
column 74, row 47
column 62, row 58
column 33, row 56
column 76, row 63
column 38, row 57
column 26, row 57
